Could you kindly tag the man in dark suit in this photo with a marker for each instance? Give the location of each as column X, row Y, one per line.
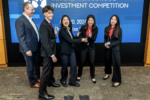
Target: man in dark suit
column 29, row 44
column 48, row 52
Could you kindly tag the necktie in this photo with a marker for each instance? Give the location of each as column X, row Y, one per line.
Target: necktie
column 51, row 25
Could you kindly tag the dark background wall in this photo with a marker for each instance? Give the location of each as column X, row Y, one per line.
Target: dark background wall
column 132, row 54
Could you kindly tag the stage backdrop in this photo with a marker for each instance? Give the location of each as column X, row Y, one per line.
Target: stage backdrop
column 129, row 11
column 132, row 14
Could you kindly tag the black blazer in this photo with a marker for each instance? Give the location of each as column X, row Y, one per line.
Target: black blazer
column 115, row 42
column 66, row 43
column 26, row 35
column 91, row 40
column 48, row 47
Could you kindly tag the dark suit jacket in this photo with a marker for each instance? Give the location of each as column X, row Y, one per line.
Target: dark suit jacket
column 91, row 40
column 48, row 38
column 66, row 43
column 26, row 35
column 115, row 42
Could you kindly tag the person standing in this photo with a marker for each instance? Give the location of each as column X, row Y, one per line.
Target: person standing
column 112, row 41
column 48, row 52
column 29, row 43
column 67, row 52
column 89, row 31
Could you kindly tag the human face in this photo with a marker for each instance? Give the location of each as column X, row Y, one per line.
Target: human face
column 90, row 22
column 49, row 15
column 113, row 21
column 65, row 21
column 30, row 10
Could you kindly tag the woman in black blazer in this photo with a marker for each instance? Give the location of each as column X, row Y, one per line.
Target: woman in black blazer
column 112, row 41
column 89, row 31
column 67, row 52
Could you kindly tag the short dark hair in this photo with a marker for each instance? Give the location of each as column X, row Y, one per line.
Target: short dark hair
column 25, row 5
column 47, row 8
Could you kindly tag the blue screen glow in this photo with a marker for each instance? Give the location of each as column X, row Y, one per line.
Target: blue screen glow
column 130, row 13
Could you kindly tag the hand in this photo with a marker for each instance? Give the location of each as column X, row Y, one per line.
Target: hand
column 55, row 32
column 90, row 35
column 78, row 34
column 106, row 45
column 54, row 59
column 84, row 40
column 29, row 53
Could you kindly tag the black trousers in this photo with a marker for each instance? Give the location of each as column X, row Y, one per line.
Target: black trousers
column 83, row 54
column 71, row 58
column 113, row 55
column 47, row 74
column 33, row 66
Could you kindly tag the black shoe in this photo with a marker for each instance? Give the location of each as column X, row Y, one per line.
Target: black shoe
column 105, row 78
column 113, row 85
column 93, row 81
column 64, row 84
column 53, row 84
column 76, row 85
column 46, row 96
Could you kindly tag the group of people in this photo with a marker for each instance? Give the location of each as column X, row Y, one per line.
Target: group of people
column 32, row 48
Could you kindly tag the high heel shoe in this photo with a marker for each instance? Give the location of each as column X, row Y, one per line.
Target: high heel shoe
column 105, row 78
column 94, row 81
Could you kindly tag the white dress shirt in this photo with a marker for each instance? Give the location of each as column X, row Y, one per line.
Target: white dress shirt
column 33, row 25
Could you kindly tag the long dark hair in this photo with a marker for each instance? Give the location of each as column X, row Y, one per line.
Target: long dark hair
column 86, row 25
column 70, row 23
column 117, row 26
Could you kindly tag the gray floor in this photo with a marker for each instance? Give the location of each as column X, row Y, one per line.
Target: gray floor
column 135, row 85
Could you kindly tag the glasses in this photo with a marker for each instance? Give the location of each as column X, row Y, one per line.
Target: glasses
column 32, row 9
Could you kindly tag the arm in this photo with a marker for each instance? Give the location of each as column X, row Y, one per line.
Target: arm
column 77, row 36
column 105, row 36
column 45, row 40
column 55, row 32
column 80, row 34
column 117, row 42
column 63, row 34
column 94, row 36
column 21, row 35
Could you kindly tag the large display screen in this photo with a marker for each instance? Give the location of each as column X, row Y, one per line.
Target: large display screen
column 130, row 13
